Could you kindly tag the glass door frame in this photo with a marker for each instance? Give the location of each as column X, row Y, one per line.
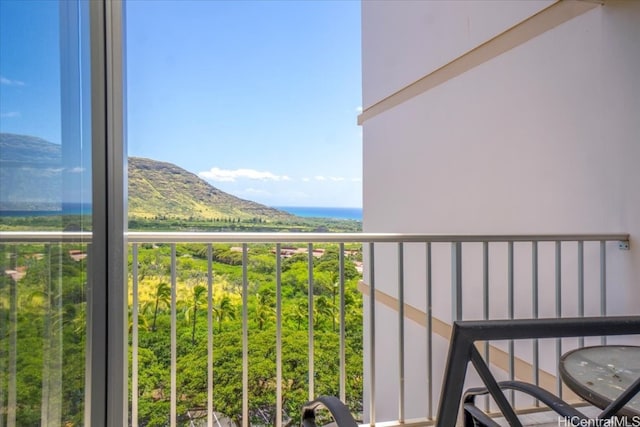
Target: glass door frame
column 106, row 399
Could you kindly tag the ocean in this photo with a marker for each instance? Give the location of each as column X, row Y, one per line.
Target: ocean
column 64, row 209
column 303, row 211
column 323, row 212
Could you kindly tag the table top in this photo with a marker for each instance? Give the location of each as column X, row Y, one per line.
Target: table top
column 600, row 374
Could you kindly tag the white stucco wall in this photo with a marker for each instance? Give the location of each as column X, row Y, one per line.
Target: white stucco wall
column 542, row 139
column 405, row 39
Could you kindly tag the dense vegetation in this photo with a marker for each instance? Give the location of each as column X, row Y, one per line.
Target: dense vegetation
column 165, row 223
column 42, row 338
column 154, row 291
column 49, row 318
column 46, row 223
column 293, row 224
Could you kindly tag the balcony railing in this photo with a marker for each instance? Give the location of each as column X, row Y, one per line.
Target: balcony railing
column 415, row 276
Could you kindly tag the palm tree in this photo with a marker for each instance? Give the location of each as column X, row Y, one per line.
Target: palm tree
column 300, row 312
column 223, row 309
column 323, row 307
column 264, row 313
column 198, row 298
column 161, row 297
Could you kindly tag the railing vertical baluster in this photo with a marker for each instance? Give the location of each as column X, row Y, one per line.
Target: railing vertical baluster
column 456, row 281
column 134, row 336
column 174, row 351
column 343, row 357
column 3, row 348
column 278, row 336
column 245, row 337
column 12, row 398
column 429, row 313
column 52, row 355
column 310, row 330
column 485, row 305
column 401, row 332
column 534, row 313
column 209, row 335
column 46, row 351
column 603, row 284
column 372, row 333
column 581, row 285
column 558, row 289
column 55, row 406
column 511, row 314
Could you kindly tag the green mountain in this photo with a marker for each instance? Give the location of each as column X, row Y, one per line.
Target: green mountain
column 30, row 173
column 24, row 149
column 159, row 189
column 31, row 178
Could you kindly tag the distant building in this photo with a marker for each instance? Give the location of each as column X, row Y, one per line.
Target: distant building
column 16, row 274
column 77, row 255
column 288, row 252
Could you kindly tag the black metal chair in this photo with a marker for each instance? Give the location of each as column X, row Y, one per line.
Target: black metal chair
column 462, row 350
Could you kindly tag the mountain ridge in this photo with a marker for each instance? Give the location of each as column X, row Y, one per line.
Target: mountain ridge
column 162, row 189
column 32, row 171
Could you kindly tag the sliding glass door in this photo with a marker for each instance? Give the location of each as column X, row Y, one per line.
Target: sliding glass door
column 60, row 159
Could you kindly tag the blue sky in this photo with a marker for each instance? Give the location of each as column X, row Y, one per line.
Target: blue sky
column 260, row 98
column 29, row 69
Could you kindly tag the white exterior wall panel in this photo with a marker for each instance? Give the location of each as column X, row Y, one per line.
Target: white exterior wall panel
column 542, row 139
column 406, row 39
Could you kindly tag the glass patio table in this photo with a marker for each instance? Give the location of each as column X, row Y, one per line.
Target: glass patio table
column 601, row 374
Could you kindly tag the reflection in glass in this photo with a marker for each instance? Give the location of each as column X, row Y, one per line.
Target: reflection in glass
column 45, row 184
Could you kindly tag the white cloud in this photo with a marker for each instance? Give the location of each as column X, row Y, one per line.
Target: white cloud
column 10, row 115
column 77, row 169
column 229, row 175
column 359, row 109
column 306, row 179
column 8, row 82
column 356, row 179
column 323, row 178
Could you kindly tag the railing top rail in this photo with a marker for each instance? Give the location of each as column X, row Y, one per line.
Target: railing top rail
column 275, row 237
column 45, row 236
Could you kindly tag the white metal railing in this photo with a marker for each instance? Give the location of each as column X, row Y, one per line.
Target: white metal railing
column 208, row 237
column 375, row 245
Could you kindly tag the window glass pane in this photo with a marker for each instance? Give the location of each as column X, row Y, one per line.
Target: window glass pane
column 241, row 117
column 45, row 185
